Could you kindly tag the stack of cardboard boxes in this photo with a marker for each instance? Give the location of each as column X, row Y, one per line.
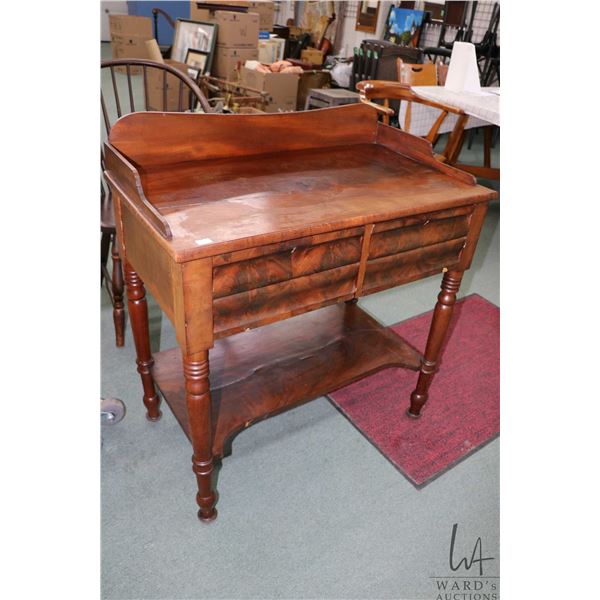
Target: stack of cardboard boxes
column 128, row 36
column 265, row 9
column 131, row 37
column 237, row 38
column 238, row 41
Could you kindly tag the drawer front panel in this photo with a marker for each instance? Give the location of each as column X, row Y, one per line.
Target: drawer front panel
column 424, row 218
column 256, row 272
column 296, row 261
column 313, row 259
column 395, row 269
column 394, row 241
column 280, row 300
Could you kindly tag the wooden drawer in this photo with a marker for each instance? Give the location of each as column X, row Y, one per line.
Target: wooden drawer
column 250, row 290
column 409, row 249
column 295, row 261
column 394, row 241
column 273, row 302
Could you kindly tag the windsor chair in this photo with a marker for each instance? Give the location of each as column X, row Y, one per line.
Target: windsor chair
column 131, row 83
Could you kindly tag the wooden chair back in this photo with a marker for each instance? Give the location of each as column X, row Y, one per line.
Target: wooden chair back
column 134, row 82
column 408, row 74
column 393, row 90
column 189, row 94
column 442, row 73
column 125, row 92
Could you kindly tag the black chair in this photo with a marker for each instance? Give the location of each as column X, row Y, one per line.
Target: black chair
column 138, row 80
column 455, row 17
column 376, row 59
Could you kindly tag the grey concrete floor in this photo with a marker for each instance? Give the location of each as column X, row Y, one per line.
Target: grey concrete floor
column 308, row 508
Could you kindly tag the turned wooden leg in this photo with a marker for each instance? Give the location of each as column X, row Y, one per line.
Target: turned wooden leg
column 138, row 315
column 197, row 397
column 117, row 290
column 437, row 333
column 487, row 146
column 104, row 248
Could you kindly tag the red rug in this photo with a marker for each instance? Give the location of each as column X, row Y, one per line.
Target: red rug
column 463, row 410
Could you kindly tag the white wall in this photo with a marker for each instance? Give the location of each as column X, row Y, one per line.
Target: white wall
column 107, row 8
column 350, row 38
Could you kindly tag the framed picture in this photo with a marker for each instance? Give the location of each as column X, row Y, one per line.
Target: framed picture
column 366, row 16
column 403, row 26
column 194, row 35
column 196, row 61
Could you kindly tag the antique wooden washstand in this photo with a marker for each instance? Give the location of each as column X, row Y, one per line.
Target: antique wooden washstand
column 242, row 226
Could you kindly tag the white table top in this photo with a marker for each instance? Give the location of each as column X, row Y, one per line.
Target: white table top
column 484, row 105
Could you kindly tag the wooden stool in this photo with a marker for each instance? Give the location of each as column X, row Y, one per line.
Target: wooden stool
column 324, row 98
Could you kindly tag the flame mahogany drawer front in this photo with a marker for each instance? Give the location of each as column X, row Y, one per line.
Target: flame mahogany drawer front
column 289, row 277
column 255, row 287
column 408, row 249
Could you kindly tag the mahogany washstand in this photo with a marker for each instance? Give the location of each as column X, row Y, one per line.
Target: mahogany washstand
column 242, row 226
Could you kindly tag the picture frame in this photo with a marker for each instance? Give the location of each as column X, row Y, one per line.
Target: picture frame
column 194, row 35
column 196, row 60
column 403, row 26
column 366, row 16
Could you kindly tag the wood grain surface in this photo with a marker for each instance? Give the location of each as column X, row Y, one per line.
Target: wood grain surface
column 257, row 374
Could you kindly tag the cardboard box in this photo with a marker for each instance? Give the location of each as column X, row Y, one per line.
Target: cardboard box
column 310, row 80
column 129, row 47
column 226, row 61
column 282, row 88
column 265, row 9
column 312, row 56
column 155, row 89
column 128, row 25
column 128, row 36
column 271, row 50
column 266, row 13
column 236, row 30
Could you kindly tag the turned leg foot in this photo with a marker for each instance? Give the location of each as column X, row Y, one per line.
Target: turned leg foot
column 197, row 397
column 117, row 290
column 206, row 497
column 138, row 315
column 437, row 334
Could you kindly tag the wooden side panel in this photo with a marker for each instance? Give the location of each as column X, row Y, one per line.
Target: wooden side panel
column 196, row 290
column 150, row 139
column 419, row 149
column 121, row 174
column 150, row 261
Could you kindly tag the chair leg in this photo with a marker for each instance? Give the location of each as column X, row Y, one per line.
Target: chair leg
column 472, row 133
column 487, row 146
column 117, row 290
column 495, row 136
column 104, row 248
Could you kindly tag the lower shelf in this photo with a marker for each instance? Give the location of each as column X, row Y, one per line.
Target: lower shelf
column 262, row 372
